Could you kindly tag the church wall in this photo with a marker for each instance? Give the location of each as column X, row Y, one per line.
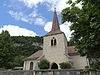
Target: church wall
column 55, row 53
column 79, row 62
column 66, row 45
column 27, row 64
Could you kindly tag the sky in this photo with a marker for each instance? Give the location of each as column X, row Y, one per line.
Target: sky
column 31, row 17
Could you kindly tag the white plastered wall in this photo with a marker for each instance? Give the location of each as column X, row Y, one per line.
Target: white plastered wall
column 27, row 64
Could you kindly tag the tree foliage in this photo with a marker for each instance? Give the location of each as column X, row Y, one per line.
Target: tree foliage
column 7, row 50
column 26, row 39
column 14, row 49
column 65, row 65
column 18, row 61
column 25, row 47
column 44, row 64
column 86, row 27
column 96, row 65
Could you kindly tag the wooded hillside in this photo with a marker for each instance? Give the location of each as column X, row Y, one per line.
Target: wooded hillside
column 14, row 49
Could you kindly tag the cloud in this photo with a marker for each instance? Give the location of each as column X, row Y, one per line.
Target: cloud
column 64, row 27
column 31, row 3
column 18, row 16
column 28, row 18
column 39, row 21
column 33, row 14
column 59, row 4
column 48, row 26
column 17, row 31
column 35, row 17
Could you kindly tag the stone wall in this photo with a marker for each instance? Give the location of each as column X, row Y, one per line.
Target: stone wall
column 55, row 54
column 16, row 73
column 53, row 72
column 67, row 72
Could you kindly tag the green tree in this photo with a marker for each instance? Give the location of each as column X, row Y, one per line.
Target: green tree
column 86, row 27
column 25, row 47
column 44, row 64
column 18, row 61
column 96, row 65
column 7, row 50
column 65, row 65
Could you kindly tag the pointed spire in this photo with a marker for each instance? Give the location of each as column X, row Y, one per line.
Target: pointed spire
column 55, row 24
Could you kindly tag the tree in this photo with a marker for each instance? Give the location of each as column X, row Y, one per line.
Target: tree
column 96, row 65
column 25, row 46
column 65, row 65
column 18, row 61
column 7, row 50
column 44, row 64
column 86, row 27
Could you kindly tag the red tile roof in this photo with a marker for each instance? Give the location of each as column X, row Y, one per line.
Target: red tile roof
column 72, row 51
column 35, row 55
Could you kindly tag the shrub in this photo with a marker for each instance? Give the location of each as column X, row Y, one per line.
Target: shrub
column 65, row 65
column 96, row 65
column 44, row 64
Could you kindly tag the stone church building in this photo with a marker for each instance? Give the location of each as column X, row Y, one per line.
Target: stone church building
column 55, row 50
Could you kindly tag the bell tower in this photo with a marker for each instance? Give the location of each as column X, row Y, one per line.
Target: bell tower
column 55, row 43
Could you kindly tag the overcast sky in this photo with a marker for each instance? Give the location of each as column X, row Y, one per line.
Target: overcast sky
column 31, row 17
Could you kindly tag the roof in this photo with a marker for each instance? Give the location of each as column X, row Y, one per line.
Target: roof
column 38, row 54
column 55, row 26
column 53, row 32
column 72, row 51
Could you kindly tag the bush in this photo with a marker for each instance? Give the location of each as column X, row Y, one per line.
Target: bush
column 65, row 65
column 96, row 65
column 44, row 64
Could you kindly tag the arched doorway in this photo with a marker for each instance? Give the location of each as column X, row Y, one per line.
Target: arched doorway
column 31, row 66
column 54, row 66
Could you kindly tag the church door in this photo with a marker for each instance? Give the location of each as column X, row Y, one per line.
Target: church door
column 54, row 66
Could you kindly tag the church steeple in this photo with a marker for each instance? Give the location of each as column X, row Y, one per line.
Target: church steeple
column 55, row 24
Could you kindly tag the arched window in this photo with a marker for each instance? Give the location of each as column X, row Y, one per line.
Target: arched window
column 53, row 42
column 31, row 66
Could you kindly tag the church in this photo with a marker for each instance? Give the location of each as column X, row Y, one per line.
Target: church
column 55, row 50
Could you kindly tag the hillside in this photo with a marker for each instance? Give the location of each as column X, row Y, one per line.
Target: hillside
column 25, row 46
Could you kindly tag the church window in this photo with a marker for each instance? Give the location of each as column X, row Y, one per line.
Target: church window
column 53, row 42
column 31, row 66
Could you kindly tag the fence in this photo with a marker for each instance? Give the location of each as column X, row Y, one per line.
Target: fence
column 67, row 72
column 16, row 73
column 53, row 72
